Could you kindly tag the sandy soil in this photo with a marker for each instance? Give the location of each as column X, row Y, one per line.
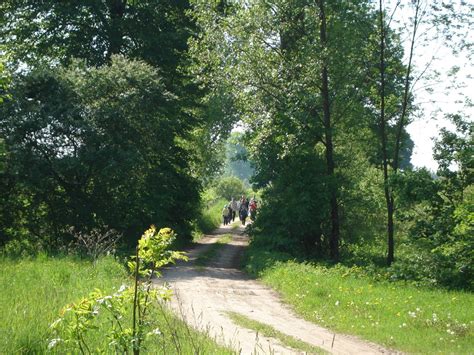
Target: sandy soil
column 204, row 295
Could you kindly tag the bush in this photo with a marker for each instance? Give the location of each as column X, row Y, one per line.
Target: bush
column 295, row 218
column 23, row 247
column 210, row 217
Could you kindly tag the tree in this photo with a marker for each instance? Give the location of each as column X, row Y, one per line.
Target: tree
column 396, row 103
column 439, row 213
column 95, row 30
column 229, row 187
column 454, row 152
column 237, row 163
column 295, row 69
column 88, row 151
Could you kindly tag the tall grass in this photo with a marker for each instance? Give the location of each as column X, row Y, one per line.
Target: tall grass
column 210, row 218
column 394, row 314
column 32, row 293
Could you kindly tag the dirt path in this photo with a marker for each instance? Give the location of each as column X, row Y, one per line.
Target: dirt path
column 204, row 295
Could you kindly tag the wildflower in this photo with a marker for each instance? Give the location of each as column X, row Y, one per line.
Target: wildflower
column 412, row 314
column 337, row 303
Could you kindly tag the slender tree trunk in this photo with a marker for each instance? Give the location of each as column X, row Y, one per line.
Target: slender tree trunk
column 402, row 121
column 389, row 198
column 383, row 138
column 334, row 239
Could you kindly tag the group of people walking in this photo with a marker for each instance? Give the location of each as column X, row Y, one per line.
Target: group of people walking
column 243, row 207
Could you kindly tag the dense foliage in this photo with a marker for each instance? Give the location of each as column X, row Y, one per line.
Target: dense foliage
column 325, row 90
column 104, row 127
column 107, row 126
column 96, row 147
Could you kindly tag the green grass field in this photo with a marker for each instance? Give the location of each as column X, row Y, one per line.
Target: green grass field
column 396, row 315
column 32, row 293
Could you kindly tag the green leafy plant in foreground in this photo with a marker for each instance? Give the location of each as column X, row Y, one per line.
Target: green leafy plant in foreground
column 91, row 313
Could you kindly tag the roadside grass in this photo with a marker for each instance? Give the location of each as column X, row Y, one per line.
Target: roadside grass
column 33, row 292
column 269, row 331
column 395, row 314
column 204, row 258
column 209, row 219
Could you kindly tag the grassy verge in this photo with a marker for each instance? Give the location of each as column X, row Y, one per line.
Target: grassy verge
column 32, row 293
column 394, row 314
column 271, row 332
column 204, row 259
column 209, row 219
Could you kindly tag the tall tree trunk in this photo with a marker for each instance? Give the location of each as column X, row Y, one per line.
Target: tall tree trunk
column 334, row 239
column 115, row 31
column 383, row 138
column 402, row 121
column 389, row 198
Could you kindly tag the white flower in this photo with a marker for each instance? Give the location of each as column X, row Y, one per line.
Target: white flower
column 53, row 343
column 337, row 303
column 412, row 314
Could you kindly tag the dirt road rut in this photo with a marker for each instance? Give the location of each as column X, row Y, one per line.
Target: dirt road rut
column 203, row 296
